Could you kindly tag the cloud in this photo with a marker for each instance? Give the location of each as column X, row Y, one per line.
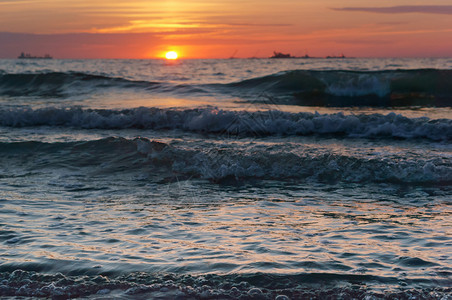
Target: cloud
column 168, row 25
column 14, row 2
column 425, row 9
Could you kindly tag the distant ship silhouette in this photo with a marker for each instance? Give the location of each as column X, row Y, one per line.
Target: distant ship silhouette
column 28, row 55
column 284, row 55
column 340, row 56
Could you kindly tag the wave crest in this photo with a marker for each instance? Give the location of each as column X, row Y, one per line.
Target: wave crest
column 58, row 84
column 212, row 120
column 423, row 87
column 62, row 84
column 224, row 163
column 340, row 88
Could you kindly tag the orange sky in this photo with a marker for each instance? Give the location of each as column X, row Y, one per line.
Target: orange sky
column 219, row 28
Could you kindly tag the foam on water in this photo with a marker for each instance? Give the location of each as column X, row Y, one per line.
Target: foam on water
column 207, row 179
column 171, row 286
column 212, row 120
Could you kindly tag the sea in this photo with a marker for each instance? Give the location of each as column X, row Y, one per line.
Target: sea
column 226, row 179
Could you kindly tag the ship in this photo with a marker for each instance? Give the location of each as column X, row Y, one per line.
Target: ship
column 29, row 56
column 284, row 55
column 340, row 56
column 281, row 55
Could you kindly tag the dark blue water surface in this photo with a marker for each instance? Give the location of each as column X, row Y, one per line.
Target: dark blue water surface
column 226, row 179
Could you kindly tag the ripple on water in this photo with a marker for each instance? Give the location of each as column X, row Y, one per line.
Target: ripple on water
column 415, row 262
column 312, row 232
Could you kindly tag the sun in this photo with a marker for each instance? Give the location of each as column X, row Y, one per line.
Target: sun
column 171, row 55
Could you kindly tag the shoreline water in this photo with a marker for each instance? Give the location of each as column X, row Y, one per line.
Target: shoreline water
column 237, row 188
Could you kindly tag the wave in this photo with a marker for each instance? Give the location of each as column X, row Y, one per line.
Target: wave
column 338, row 88
column 22, row 283
column 223, row 164
column 422, row 87
column 212, row 120
column 62, row 84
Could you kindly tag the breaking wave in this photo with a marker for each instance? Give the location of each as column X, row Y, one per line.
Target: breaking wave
column 220, row 163
column 422, row 87
column 21, row 283
column 212, row 120
column 339, row 88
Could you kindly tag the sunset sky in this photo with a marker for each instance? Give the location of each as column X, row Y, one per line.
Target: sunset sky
column 220, row 28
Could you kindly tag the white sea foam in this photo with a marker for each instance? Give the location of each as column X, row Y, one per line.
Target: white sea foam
column 212, row 120
column 359, row 85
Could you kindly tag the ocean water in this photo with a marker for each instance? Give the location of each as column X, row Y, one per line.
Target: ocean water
column 226, row 179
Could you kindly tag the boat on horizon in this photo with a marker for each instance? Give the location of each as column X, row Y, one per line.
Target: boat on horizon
column 340, row 56
column 281, row 55
column 287, row 55
column 29, row 56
